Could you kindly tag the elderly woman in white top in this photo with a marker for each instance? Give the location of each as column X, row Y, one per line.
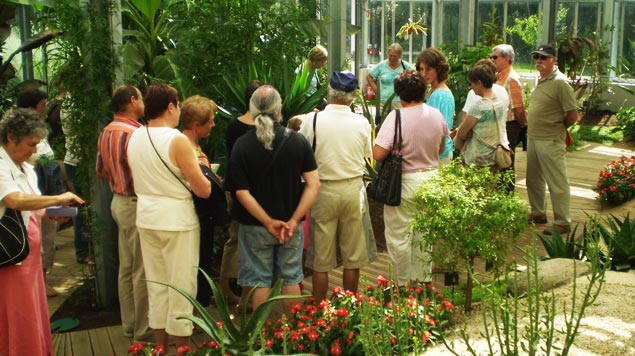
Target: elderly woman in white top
column 24, row 318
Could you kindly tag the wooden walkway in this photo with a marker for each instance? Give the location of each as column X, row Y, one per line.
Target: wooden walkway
column 583, row 167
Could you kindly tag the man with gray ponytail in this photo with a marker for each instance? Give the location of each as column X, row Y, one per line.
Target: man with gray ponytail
column 267, row 166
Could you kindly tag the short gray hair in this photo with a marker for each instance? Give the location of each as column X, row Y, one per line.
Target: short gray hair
column 341, row 95
column 507, row 51
column 265, row 107
column 21, row 123
column 397, row 48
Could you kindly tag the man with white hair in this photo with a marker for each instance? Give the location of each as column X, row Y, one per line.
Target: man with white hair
column 267, row 166
column 341, row 142
column 503, row 57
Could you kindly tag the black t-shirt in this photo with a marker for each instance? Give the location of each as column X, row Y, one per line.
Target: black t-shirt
column 277, row 188
column 235, row 129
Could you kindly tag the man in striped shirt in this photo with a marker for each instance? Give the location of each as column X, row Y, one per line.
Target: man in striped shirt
column 112, row 164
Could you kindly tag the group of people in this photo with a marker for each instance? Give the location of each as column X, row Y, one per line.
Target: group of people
column 275, row 176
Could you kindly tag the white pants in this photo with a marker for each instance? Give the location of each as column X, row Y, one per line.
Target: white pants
column 170, row 257
column 411, row 261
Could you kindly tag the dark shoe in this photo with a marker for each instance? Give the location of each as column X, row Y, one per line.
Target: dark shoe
column 537, row 219
column 562, row 230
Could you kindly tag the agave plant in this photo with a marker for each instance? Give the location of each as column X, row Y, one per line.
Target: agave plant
column 559, row 247
column 235, row 340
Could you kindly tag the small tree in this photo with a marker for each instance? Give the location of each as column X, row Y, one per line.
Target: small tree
column 466, row 212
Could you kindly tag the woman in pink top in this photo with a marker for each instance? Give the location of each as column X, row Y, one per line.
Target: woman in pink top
column 423, row 139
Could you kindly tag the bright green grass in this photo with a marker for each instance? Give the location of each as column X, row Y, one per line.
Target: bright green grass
column 606, row 135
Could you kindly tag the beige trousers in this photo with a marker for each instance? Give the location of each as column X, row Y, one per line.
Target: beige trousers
column 133, row 292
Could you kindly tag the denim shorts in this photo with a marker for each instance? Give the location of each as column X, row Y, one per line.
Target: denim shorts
column 261, row 257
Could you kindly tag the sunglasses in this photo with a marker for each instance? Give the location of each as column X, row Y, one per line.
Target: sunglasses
column 493, row 58
column 541, row 56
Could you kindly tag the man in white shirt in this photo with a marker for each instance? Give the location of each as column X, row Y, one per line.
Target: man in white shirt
column 341, row 140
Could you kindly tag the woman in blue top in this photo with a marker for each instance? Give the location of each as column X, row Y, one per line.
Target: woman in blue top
column 386, row 71
column 434, row 67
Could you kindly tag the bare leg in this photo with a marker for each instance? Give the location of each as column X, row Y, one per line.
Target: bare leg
column 320, row 285
column 181, row 341
column 259, row 296
column 161, row 337
column 350, row 279
column 289, row 303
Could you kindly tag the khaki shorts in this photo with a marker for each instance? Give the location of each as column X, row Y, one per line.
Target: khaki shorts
column 336, row 221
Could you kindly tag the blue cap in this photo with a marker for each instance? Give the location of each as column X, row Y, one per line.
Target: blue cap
column 344, row 81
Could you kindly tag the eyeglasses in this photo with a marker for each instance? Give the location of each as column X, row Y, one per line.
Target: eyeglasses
column 493, row 58
column 541, row 56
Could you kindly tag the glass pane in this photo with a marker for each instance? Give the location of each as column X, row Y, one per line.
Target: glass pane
column 522, row 25
column 450, row 19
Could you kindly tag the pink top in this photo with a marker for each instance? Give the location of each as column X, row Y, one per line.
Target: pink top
column 423, row 129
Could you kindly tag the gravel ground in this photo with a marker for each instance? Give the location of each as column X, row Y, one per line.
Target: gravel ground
column 607, row 329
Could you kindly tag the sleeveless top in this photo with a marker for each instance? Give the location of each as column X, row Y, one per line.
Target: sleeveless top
column 163, row 203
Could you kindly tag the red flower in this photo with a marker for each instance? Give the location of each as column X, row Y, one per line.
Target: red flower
column 613, row 188
column 321, row 322
column 426, row 336
column 212, row 344
column 448, row 305
column 393, row 341
column 158, row 350
column 269, row 343
column 342, row 312
column 336, row 349
column 182, row 349
column 135, row 348
column 219, row 324
column 382, row 281
column 337, row 290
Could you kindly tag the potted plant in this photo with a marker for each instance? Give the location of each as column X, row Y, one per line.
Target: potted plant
column 465, row 212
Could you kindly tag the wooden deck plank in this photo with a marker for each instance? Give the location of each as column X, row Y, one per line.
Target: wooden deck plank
column 118, row 342
column 100, row 342
column 60, row 341
column 80, row 344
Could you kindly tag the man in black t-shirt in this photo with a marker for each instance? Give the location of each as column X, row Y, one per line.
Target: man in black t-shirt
column 267, row 166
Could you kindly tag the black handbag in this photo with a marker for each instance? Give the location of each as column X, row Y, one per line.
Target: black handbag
column 213, row 207
column 14, row 240
column 386, row 186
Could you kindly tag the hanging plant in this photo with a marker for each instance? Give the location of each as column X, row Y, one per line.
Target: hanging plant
column 406, row 30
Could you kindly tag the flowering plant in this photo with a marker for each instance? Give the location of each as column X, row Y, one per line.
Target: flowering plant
column 616, row 183
column 382, row 321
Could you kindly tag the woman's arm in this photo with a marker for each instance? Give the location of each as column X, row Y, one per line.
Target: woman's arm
column 182, row 154
column 371, row 81
column 23, row 201
column 465, row 130
column 379, row 153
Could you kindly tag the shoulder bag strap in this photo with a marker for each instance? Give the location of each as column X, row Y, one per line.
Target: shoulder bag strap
column 498, row 132
column 397, row 139
column 165, row 164
column 314, row 120
column 403, row 65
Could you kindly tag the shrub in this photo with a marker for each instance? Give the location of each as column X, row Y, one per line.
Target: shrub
column 626, row 121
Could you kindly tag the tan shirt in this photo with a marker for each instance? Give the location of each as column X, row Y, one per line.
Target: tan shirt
column 548, row 104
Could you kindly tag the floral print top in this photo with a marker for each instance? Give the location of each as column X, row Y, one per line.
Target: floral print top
column 481, row 146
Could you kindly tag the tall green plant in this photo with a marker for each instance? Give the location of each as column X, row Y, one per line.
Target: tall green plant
column 147, row 35
column 465, row 212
